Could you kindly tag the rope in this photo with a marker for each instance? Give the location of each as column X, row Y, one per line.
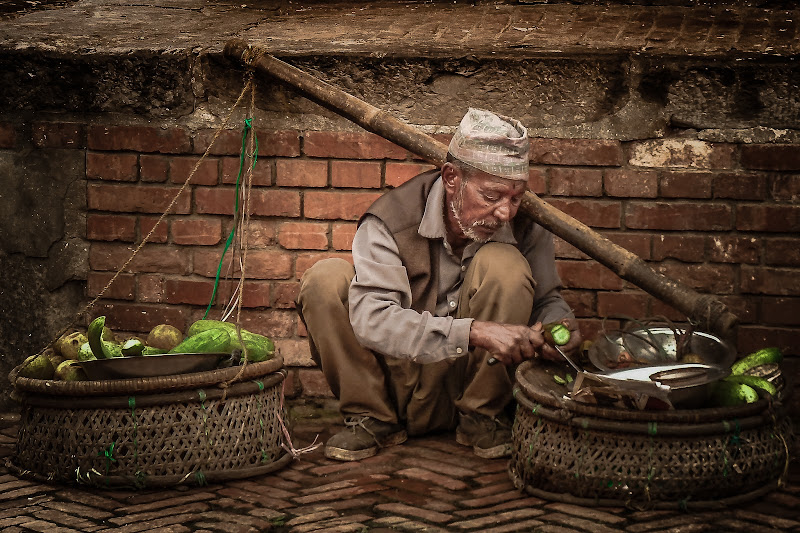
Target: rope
column 172, row 203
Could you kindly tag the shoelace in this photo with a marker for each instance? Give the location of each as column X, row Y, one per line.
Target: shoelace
column 353, row 422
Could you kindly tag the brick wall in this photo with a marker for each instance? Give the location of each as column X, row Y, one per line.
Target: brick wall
column 721, row 218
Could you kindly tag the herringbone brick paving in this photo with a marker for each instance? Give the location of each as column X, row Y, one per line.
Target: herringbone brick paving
column 427, row 484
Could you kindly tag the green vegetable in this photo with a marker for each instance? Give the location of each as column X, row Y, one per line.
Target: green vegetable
column 85, row 353
column 755, row 382
column 728, row 394
column 559, row 380
column 101, row 347
column 149, row 350
column 557, row 333
column 259, row 347
column 132, row 347
column 763, row 356
column 208, row 341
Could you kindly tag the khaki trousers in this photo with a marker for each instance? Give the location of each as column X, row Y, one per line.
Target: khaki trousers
column 498, row 287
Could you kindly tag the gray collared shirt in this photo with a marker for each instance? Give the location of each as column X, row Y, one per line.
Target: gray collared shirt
column 380, row 294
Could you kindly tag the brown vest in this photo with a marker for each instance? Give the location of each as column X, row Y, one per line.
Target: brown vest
column 401, row 209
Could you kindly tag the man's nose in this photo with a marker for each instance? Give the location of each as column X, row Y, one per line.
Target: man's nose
column 503, row 212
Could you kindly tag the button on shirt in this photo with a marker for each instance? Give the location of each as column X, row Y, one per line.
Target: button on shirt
column 380, row 294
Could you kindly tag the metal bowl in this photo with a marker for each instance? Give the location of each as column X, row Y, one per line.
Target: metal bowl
column 146, row 366
column 657, row 346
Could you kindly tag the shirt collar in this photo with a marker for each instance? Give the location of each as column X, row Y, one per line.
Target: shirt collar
column 432, row 224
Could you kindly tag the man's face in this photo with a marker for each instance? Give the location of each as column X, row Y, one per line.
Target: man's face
column 480, row 204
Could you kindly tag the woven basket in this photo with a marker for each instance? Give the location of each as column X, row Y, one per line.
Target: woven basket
column 690, row 459
column 148, row 432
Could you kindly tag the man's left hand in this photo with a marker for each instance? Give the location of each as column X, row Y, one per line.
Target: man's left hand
column 575, row 339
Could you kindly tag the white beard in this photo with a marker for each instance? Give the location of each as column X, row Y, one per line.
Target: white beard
column 468, row 231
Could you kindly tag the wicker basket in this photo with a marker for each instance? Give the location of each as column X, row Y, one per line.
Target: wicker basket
column 589, row 455
column 148, row 432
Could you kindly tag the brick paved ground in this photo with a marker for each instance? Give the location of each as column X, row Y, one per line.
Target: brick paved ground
column 428, row 484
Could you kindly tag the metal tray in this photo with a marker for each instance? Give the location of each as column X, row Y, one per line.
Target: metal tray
column 147, row 366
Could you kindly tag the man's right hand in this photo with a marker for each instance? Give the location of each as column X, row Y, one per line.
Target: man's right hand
column 508, row 343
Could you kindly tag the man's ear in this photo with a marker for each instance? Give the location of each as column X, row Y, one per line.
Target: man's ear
column 451, row 177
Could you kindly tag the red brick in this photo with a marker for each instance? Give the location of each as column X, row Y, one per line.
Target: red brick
column 153, row 168
column 592, row 328
column 350, row 145
column 681, row 153
column 59, row 135
column 139, row 317
column 307, row 260
column 632, row 304
column 594, row 213
column 673, row 216
column 198, row 292
column 260, row 233
column 576, row 182
column 576, row 152
column 746, row 307
column 337, row 205
column 123, row 288
column 159, row 232
column 110, row 227
column 775, row 281
column 537, row 182
column 786, row 188
column 150, row 288
column 734, row 249
column 314, row 384
column 709, row 278
column 204, row 232
column 752, row 338
column 636, row 243
column 686, row 185
column 780, row 311
column 564, row 250
column 740, row 186
column 274, row 323
column 262, row 172
column 359, row 174
column 301, row 173
column 659, row 308
column 683, row 247
column 112, row 167
column 342, row 235
column 399, row 173
column 771, row 156
column 773, row 218
column 261, row 264
column 587, row 275
column 303, row 236
column 151, row 258
column 135, row 199
column 8, row 135
column 782, row 251
column 284, row 294
column 582, row 303
column 631, row 183
column 207, row 172
column 270, row 143
column 139, row 139
column 271, row 202
column 297, row 354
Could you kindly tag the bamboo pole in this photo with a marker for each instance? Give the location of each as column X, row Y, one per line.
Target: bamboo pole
column 705, row 310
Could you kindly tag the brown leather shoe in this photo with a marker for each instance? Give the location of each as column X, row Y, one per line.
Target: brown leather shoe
column 489, row 437
column 362, row 437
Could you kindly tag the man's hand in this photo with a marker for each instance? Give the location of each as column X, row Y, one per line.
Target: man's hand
column 548, row 352
column 508, row 343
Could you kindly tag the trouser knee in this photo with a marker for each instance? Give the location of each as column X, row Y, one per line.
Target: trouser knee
column 326, row 281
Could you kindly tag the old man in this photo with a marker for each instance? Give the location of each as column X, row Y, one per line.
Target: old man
column 446, row 276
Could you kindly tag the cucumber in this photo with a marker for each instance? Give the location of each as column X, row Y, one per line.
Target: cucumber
column 132, row 347
column 259, row 347
column 729, row 394
column 101, row 348
column 755, row 382
column 557, row 333
column 85, row 353
column 149, row 350
column 208, row 341
column 763, row 356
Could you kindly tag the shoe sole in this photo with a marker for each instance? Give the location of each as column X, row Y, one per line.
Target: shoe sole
column 495, row 452
column 342, row 454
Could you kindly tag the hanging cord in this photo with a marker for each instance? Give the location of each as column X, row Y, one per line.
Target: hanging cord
column 219, row 131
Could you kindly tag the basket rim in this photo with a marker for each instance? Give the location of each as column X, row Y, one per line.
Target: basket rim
column 129, row 386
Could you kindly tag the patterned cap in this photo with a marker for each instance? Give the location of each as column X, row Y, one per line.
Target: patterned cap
column 492, row 143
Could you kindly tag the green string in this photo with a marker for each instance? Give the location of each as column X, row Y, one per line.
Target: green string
column 108, row 453
column 247, row 127
column 652, row 428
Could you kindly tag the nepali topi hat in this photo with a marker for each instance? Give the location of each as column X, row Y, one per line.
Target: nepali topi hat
column 495, row 144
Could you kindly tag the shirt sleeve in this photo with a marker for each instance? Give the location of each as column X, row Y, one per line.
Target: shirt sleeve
column 380, row 304
column 548, row 305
